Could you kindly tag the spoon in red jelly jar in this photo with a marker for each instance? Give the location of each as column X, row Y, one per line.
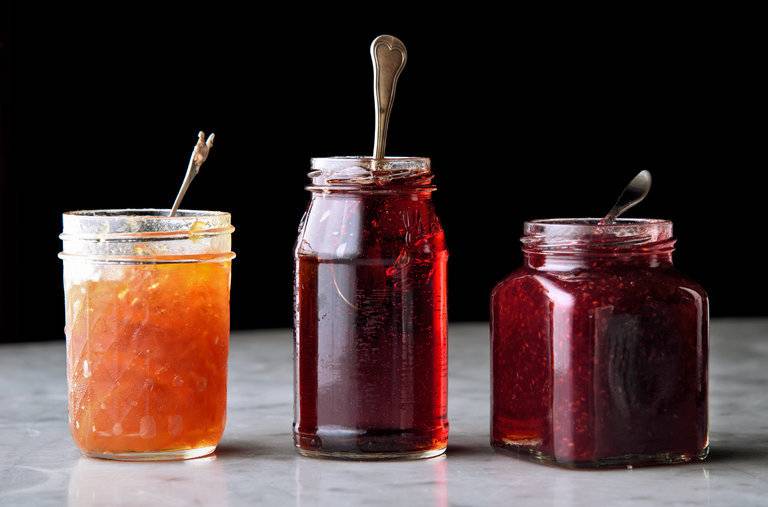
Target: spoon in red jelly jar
column 632, row 194
column 389, row 56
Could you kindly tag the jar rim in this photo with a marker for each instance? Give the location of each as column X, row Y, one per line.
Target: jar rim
column 574, row 234
column 146, row 236
column 148, row 213
column 367, row 171
column 369, row 161
column 121, row 224
column 589, row 224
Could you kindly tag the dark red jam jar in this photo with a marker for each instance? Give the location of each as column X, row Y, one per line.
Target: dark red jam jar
column 370, row 313
column 599, row 348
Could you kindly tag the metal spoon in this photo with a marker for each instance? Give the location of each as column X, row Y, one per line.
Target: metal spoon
column 199, row 154
column 389, row 56
column 632, row 194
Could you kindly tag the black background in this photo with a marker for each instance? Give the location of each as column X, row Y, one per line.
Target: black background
column 524, row 115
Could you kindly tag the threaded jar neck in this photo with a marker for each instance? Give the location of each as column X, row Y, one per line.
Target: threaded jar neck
column 565, row 243
column 146, row 236
column 368, row 174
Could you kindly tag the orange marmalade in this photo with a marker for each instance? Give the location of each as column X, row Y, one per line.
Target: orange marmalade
column 147, row 330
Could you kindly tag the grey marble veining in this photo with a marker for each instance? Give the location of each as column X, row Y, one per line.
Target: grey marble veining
column 256, row 462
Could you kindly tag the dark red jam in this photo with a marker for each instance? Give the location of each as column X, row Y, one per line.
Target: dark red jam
column 599, row 348
column 370, row 313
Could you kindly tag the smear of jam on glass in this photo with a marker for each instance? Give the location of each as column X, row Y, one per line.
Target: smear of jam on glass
column 599, row 348
column 370, row 313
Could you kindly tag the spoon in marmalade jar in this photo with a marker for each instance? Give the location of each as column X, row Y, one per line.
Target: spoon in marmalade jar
column 199, row 154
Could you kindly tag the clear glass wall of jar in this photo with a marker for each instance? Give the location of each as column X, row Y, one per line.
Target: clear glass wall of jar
column 147, row 325
column 371, row 313
column 599, row 348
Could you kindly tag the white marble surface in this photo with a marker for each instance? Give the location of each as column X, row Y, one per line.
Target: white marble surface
column 256, row 462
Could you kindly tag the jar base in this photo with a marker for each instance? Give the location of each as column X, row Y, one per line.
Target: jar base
column 627, row 460
column 181, row 454
column 371, row 456
column 372, row 444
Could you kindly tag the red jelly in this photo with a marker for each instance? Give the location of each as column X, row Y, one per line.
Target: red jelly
column 370, row 313
column 599, row 348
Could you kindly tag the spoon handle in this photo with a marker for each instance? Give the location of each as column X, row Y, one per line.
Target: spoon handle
column 389, row 56
column 632, row 194
column 199, row 154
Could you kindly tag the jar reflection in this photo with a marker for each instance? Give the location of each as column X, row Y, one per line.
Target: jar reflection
column 342, row 483
column 200, row 481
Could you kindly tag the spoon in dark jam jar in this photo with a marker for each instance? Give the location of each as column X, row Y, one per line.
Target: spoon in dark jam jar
column 599, row 345
column 370, row 300
column 632, row 194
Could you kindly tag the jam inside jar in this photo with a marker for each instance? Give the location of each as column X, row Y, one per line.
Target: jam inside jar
column 599, row 348
column 370, row 313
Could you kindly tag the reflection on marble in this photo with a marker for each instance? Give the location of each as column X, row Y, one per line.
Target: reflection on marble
column 256, row 463
column 196, row 482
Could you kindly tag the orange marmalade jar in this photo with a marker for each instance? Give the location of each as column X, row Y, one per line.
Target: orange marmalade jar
column 147, row 325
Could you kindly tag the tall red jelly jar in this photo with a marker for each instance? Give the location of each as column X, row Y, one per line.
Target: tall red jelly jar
column 599, row 348
column 370, row 311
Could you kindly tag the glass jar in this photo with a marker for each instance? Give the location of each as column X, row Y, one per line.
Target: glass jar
column 599, row 348
column 147, row 326
column 370, row 313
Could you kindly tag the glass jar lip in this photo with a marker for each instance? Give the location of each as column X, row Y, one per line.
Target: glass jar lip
column 119, row 224
column 366, row 171
column 147, row 213
column 371, row 163
column 590, row 224
column 561, row 234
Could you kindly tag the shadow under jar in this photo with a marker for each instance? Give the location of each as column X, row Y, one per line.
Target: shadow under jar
column 147, row 325
column 370, row 313
column 599, row 348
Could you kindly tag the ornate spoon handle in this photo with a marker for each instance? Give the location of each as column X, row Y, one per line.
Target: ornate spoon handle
column 199, row 154
column 389, row 56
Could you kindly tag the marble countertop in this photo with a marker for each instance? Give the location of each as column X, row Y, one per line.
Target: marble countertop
column 256, row 462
